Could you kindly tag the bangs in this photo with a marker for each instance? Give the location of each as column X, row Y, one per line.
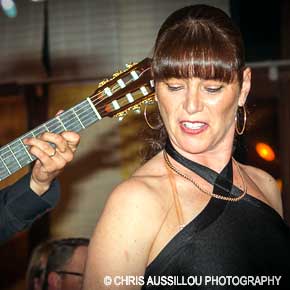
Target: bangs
column 201, row 52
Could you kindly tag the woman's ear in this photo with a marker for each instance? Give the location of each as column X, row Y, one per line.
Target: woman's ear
column 246, row 86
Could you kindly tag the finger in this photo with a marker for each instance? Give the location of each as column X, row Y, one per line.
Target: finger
column 56, row 139
column 50, row 164
column 67, row 155
column 59, row 112
column 72, row 139
column 41, row 156
column 42, row 145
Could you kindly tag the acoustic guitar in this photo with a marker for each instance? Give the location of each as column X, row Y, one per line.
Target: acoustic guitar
column 115, row 97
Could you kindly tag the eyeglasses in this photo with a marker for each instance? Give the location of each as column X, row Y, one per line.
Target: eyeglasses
column 69, row 273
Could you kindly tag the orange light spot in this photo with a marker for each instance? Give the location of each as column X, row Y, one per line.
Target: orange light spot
column 265, row 151
column 280, row 184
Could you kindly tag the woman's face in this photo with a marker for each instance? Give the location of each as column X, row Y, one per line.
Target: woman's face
column 199, row 115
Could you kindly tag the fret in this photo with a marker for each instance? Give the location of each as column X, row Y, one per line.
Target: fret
column 45, row 127
column 70, row 121
column 27, row 135
column 14, row 155
column 55, row 125
column 62, row 124
column 25, row 149
column 39, row 130
column 86, row 113
column 20, row 152
column 4, row 172
column 89, row 119
column 78, row 118
column 94, row 109
column 5, row 166
column 9, row 160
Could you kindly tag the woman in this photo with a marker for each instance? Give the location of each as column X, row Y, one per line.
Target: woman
column 192, row 210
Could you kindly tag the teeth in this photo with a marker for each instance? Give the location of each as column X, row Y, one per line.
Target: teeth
column 193, row 126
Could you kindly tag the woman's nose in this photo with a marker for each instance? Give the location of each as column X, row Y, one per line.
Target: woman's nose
column 193, row 101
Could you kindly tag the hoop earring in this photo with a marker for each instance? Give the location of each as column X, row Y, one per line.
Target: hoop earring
column 156, row 127
column 240, row 132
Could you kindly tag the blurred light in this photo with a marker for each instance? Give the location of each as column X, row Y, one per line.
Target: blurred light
column 265, row 151
column 273, row 73
column 280, row 184
column 9, row 8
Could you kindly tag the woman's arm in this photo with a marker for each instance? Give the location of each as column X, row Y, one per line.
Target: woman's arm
column 122, row 240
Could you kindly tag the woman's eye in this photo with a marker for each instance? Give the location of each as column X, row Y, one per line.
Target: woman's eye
column 174, row 88
column 213, row 90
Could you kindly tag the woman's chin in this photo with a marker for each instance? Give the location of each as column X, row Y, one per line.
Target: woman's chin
column 191, row 145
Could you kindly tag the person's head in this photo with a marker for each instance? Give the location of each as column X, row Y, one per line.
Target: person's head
column 199, row 70
column 37, row 265
column 65, row 264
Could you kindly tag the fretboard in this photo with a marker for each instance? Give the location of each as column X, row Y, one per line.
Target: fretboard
column 15, row 155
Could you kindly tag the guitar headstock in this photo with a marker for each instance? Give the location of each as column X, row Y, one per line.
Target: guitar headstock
column 125, row 91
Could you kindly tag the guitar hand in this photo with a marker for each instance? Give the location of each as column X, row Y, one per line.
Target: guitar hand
column 51, row 158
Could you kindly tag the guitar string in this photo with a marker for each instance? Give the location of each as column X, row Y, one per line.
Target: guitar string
column 93, row 98
column 55, row 129
column 99, row 96
column 96, row 99
column 64, row 121
column 11, row 165
column 49, row 128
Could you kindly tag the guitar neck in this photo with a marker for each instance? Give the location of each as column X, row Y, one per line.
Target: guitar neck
column 15, row 155
column 114, row 97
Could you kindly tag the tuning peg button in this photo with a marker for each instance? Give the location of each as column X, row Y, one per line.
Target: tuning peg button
column 137, row 111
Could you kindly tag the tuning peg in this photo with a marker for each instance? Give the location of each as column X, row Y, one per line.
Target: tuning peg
column 121, row 116
column 129, row 65
column 137, row 110
column 117, row 73
column 149, row 101
column 103, row 82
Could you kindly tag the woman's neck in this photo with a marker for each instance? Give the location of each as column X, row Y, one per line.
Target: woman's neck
column 215, row 159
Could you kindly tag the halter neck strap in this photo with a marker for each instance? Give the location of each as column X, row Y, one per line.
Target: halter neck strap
column 223, row 181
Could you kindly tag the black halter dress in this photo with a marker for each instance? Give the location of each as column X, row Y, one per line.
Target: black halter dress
column 227, row 245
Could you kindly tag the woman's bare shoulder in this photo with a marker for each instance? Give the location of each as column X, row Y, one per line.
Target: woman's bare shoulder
column 142, row 190
column 267, row 184
column 127, row 226
column 155, row 167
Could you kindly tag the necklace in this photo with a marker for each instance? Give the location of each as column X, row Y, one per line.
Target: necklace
column 233, row 199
